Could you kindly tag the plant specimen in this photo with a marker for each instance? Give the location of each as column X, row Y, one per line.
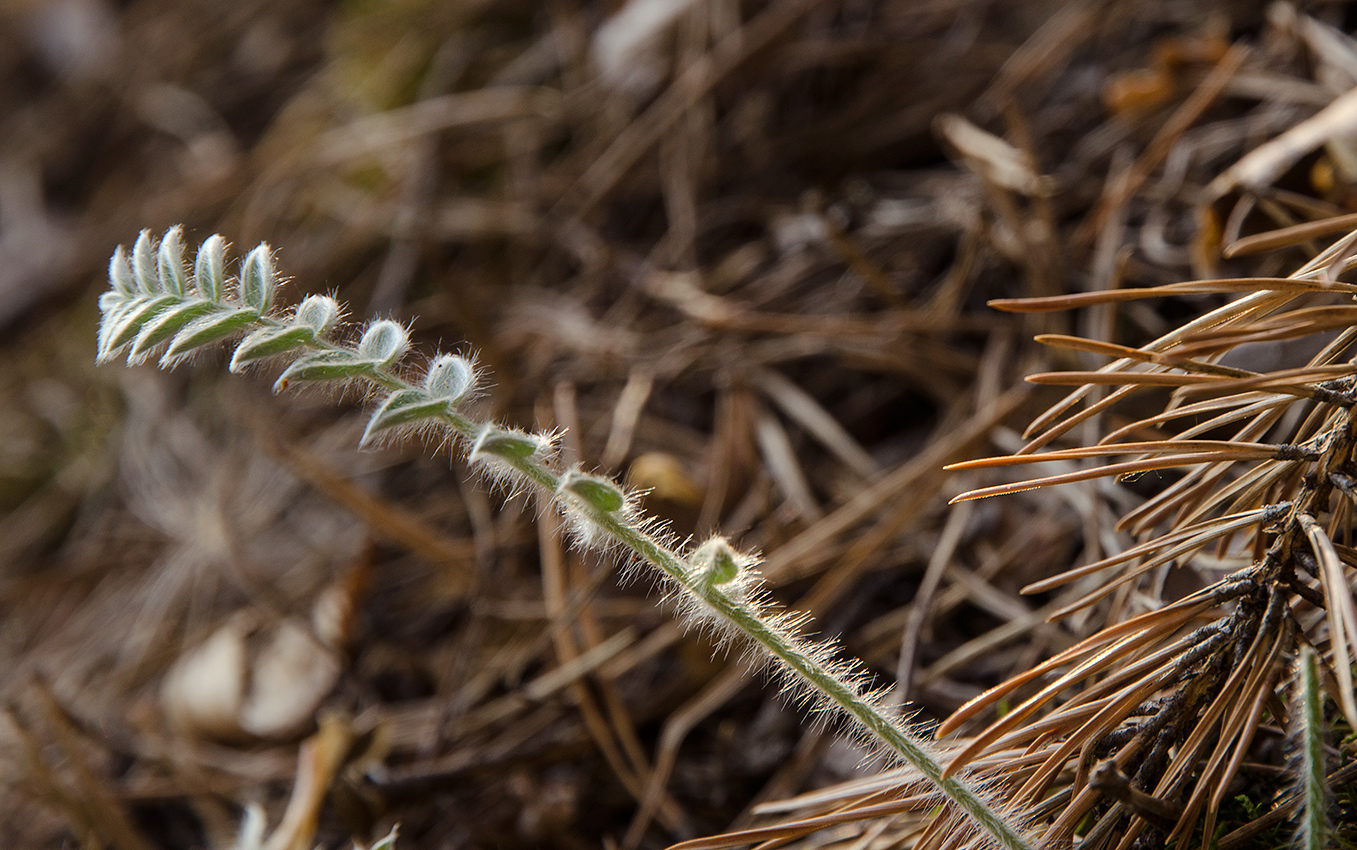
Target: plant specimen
column 157, row 306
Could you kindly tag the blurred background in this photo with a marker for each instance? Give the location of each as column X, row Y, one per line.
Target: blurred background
column 738, row 253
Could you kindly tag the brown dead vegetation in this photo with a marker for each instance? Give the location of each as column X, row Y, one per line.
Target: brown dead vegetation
column 738, row 253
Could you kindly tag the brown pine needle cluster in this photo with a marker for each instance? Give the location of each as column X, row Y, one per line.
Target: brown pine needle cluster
column 1144, row 733
column 1167, row 705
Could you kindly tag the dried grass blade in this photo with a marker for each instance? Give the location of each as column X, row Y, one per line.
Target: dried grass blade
column 1264, row 164
column 1059, row 409
column 1001, row 727
column 1126, row 647
column 818, row 422
column 1208, row 345
column 784, row 563
column 1185, row 491
column 1266, row 411
column 1285, row 237
column 1290, row 381
column 1100, row 724
column 1089, row 346
column 1187, row 494
column 1256, row 302
column 1193, row 536
column 1132, row 553
column 799, row 828
column 1282, row 380
column 1110, row 587
column 1148, row 447
column 1342, row 613
column 1112, row 469
column 87, row 799
column 1229, row 403
column 1061, row 720
column 1055, row 303
column 1247, row 487
column 1061, row 832
column 1170, row 131
column 784, row 467
column 1142, row 628
column 1290, row 324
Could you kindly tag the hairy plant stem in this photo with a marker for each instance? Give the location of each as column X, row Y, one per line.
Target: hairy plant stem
column 841, row 693
column 152, row 303
column 1314, row 831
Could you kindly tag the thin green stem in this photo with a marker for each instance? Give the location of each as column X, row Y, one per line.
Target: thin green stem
column 839, row 692
column 1314, row 827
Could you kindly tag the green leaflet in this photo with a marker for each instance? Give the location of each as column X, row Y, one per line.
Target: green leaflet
column 450, row 377
column 325, row 366
column 209, row 269
column 113, row 306
column 509, row 445
column 258, row 279
column 402, row 408
column 384, row 341
column 173, row 277
column 597, row 493
column 269, row 342
column 167, row 324
column 120, row 274
column 317, row 312
column 144, row 264
column 129, row 323
column 208, row 329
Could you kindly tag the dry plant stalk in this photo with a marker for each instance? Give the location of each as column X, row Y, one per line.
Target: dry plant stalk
column 1167, row 704
column 156, row 305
